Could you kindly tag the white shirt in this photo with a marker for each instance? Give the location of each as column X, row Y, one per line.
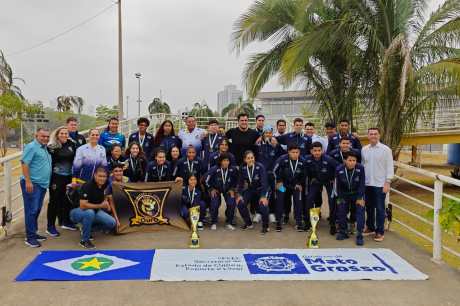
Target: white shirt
column 191, row 138
column 321, row 140
column 378, row 164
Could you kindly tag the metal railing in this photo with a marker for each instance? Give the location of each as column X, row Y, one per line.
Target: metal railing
column 415, row 208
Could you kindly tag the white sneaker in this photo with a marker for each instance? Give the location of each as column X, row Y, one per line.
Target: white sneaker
column 271, row 218
column 200, row 226
column 257, row 218
column 230, row 227
column 213, row 227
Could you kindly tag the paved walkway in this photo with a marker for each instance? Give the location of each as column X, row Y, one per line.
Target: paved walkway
column 443, row 287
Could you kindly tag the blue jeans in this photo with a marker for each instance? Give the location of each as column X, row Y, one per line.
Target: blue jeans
column 375, row 209
column 33, row 203
column 89, row 218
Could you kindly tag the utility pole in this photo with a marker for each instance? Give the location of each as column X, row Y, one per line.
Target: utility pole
column 138, row 76
column 120, row 65
column 127, row 107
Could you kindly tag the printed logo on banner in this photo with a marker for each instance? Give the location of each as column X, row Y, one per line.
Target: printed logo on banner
column 275, row 264
column 88, row 265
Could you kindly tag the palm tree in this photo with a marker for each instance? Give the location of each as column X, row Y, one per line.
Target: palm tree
column 7, row 79
column 158, row 106
column 201, row 109
column 381, row 53
column 418, row 59
column 298, row 29
column 232, row 110
column 65, row 103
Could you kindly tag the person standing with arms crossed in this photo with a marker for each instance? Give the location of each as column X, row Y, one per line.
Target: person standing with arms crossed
column 36, row 170
column 377, row 160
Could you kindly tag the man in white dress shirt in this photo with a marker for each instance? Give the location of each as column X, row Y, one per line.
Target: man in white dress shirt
column 377, row 160
column 191, row 136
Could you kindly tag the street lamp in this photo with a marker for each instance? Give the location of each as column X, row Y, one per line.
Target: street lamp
column 138, row 76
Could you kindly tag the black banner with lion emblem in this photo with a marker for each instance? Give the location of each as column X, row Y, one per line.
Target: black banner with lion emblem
column 148, row 206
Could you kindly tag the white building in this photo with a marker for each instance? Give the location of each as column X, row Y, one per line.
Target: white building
column 229, row 95
column 284, row 104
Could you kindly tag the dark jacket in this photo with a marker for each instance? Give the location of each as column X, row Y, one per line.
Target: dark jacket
column 285, row 174
column 350, row 183
column 258, row 182
column 320, row 171
column 214, row 180
column 157, row 173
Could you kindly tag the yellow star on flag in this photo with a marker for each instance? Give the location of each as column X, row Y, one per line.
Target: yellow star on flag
column 93, row 263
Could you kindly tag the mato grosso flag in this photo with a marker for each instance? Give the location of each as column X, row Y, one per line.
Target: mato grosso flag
column 148, row 206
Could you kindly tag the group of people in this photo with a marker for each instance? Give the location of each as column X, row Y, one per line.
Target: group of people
column 263, row 173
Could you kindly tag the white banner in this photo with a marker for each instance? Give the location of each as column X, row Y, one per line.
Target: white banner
column 280, row 264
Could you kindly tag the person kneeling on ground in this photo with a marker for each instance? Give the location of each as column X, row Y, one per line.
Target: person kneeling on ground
column 191, row 197
column 350, row 180
column 94, row 208
column 222, row 180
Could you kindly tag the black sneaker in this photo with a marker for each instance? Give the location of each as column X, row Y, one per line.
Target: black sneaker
column 245, row 227
column 341, row 236
column 299, row 228
column 278, row 227
column 332, row 230
column 264, row 230
column 40, row 237
column 32, row 242
column 87, row 244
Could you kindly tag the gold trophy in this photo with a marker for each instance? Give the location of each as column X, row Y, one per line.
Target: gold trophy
column 194, row 218
column 313, row 242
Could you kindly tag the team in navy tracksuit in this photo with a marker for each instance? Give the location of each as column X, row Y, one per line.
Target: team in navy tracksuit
column 253, row 188
column 191, row 197
column 290, row 180
column 338, row 154
column 268, row 154
column 222, row 179
column 143, row 138
column 189, row 166
column 210, row 143
column 320, row 170
column 350, row 187
column 115, row 157
column 334, row 142
column 168, row 142
column 299, row 139
column 145, row 141
column 159, row 170
column 214, row 157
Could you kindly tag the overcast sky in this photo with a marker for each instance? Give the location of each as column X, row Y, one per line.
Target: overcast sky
column 180, row 46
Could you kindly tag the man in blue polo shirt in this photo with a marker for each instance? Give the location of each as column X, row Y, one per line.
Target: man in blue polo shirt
column 36, row 170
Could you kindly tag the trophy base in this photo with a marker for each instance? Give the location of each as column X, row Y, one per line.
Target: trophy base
column 313, row 244
column 194, row 244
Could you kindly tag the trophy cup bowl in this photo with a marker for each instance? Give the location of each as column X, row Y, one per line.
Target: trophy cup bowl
column 313, row 242
column 194, row 218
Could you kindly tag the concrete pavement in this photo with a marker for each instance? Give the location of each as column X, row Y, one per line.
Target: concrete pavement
column 442, row 288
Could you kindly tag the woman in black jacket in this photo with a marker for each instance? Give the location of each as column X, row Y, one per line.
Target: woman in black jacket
column 62, row 151
column 136, row 163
